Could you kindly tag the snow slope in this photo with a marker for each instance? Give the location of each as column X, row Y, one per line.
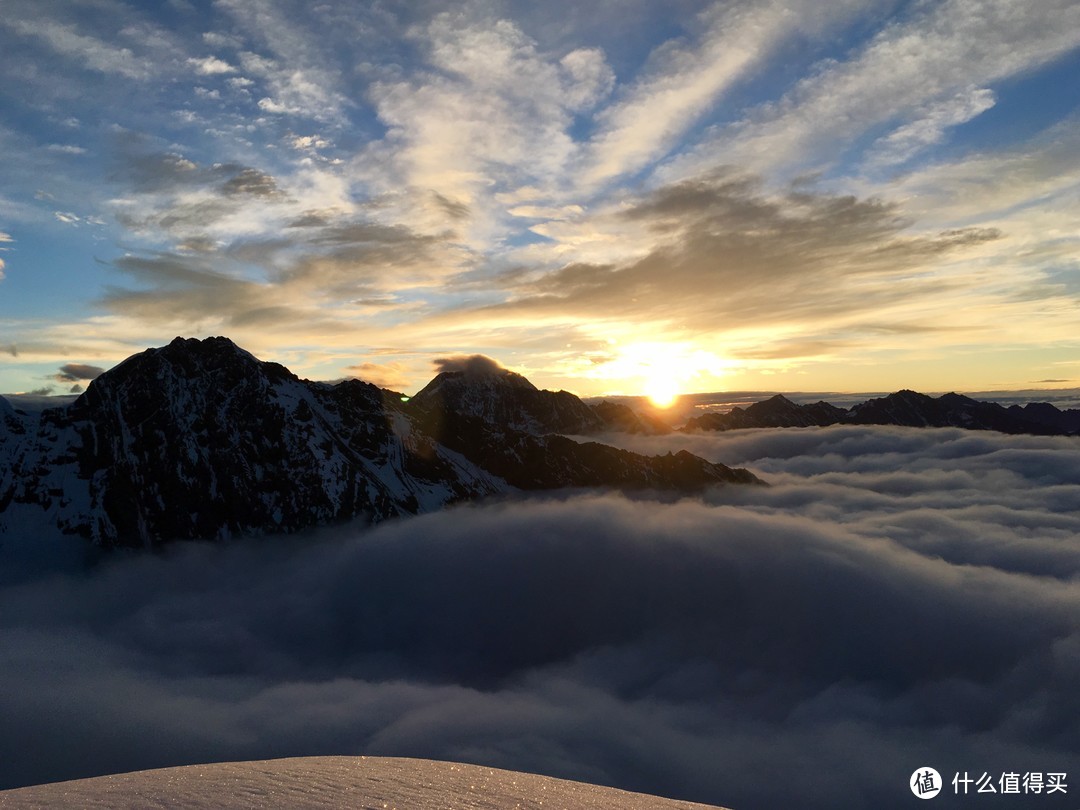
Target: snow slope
column 334, row 782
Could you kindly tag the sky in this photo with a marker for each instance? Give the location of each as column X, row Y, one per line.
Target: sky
column 897, row 598
column 606, row 197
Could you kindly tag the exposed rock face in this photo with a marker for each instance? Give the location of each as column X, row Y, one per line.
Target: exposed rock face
column 907, row 408
column 199, row 439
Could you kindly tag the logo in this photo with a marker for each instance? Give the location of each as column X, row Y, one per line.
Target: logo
column 925, row 783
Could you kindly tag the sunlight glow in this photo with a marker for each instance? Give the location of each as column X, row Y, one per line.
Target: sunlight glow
column 659, row 370
column 662, row 391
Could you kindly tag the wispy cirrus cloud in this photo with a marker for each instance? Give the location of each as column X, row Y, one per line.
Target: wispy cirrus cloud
column 688, row 81
column 94, row 53
column 927, row 59
column 930, row 127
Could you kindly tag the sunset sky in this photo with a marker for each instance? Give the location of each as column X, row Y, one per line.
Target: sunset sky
column 857, row 195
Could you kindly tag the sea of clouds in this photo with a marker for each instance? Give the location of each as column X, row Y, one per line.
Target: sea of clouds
column 897, row 598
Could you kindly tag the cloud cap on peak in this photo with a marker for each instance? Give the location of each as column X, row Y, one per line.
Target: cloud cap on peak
column 472, row 365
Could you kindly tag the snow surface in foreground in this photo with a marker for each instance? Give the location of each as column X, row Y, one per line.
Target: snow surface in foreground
column 363, row 783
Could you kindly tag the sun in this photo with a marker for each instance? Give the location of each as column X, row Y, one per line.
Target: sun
column 662, row 371
column 662, row 390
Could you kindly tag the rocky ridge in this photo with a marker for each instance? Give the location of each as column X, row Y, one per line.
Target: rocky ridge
column 199, row 439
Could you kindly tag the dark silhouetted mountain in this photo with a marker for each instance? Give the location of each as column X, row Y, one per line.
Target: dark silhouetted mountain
column 777, row 411
column 949, row 410
column 507, row 401
column 907, row 408
column 617, row 416
column 1045, row 414
column 199, row 439
column 498, row 420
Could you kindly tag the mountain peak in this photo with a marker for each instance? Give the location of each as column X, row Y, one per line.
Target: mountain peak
column 479, row 388
column 185, row 360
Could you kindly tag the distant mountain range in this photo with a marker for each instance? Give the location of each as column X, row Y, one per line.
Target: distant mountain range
column 907, row 408
column 199, row 439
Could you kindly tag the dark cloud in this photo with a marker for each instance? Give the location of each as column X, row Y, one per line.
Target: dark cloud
column 368, row 233
column 452, row 208
column 155, row 171
column 726, row 252
column 198, row 244
column 897, row 598
column 251, row 182
column 74, row 372
column 175, row 286
column 478, row 365
column 313, row 219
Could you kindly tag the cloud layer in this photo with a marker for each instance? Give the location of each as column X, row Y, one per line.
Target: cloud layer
column 897, row 598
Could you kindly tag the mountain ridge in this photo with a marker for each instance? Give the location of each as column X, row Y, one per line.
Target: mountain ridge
column 904, row 408
column 199, row 439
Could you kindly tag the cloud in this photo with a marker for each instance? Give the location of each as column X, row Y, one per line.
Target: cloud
column 929, row 129
column 393, row 376
column 251, row 182
column 211, row 66
column 686, row 81
column 476, row 365
column 898, row 597
column 66, row 148
column 306, row 142
column 720, row 251
column 936, row 54
column 294, row 64
column 90, row 51
column 494, row 110
column 74, row 372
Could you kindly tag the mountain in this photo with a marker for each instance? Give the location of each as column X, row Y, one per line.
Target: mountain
column 908, row 408
column 199, row 439
column 617, row 416
column 498, row 420
column 1045, row 414
column 777, row 411
column 505, row 400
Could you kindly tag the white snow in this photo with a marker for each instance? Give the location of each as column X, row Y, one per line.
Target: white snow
column 334, row 782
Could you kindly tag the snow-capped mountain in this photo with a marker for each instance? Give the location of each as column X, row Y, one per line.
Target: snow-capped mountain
column 199, row 439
